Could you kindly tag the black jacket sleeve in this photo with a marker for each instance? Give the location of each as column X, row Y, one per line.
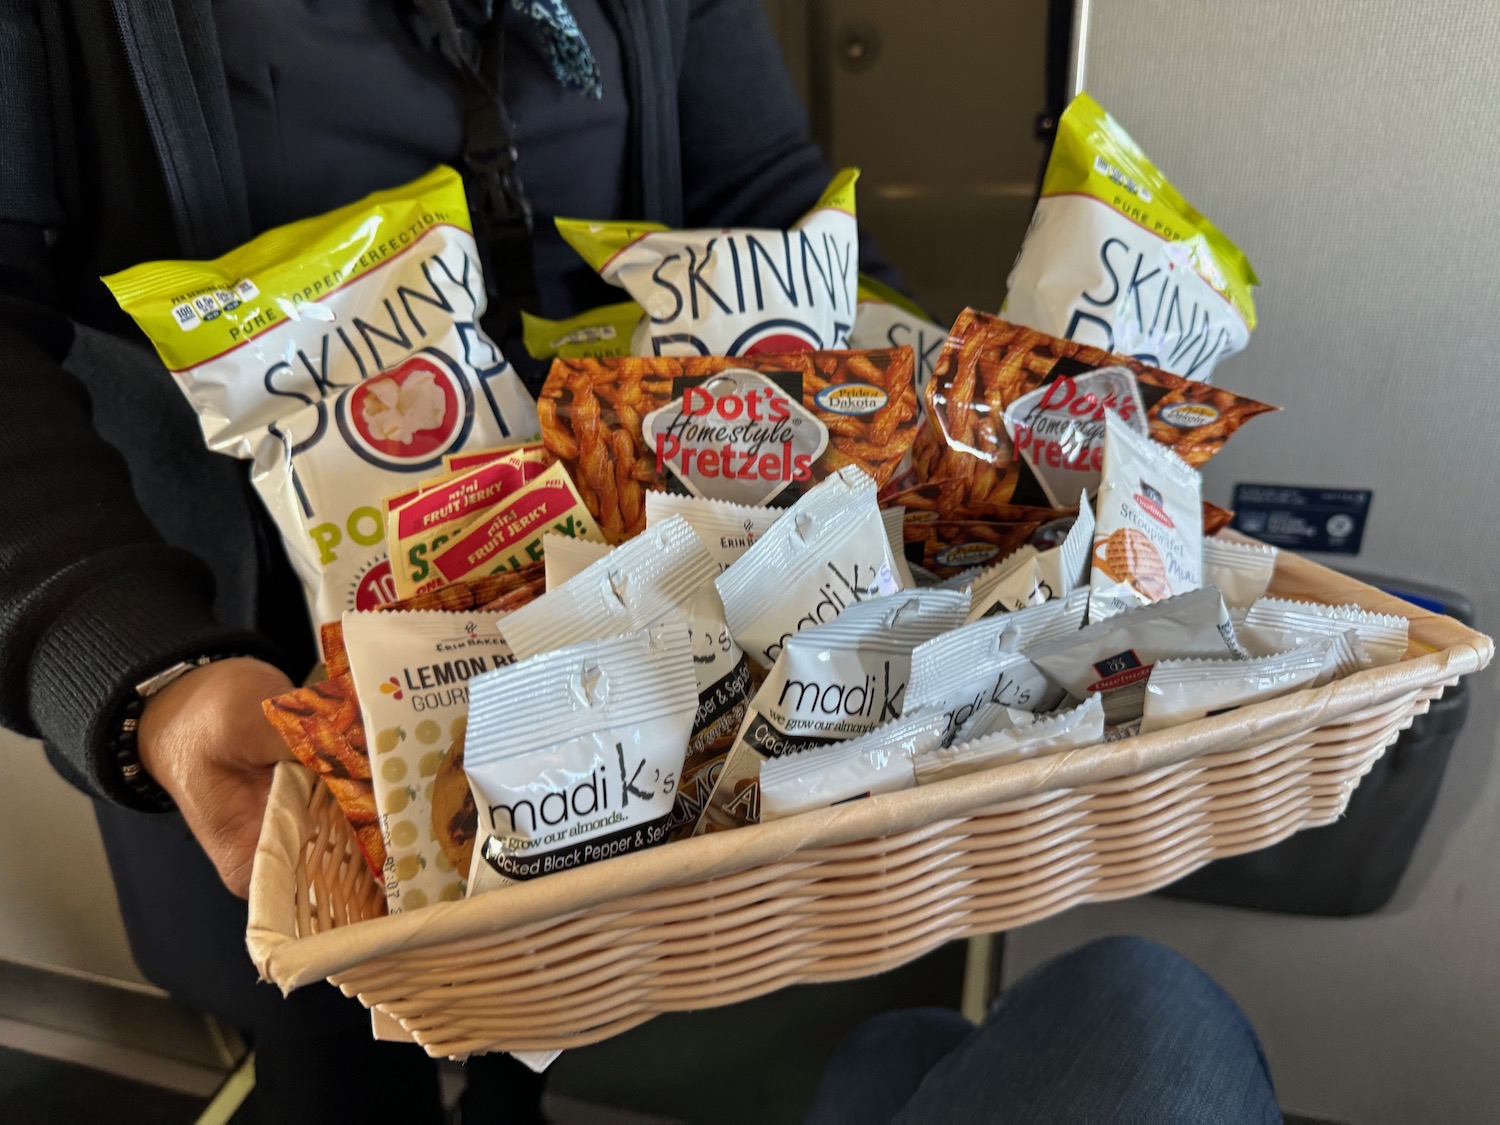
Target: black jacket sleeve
column 91, row 600
column 747, row 159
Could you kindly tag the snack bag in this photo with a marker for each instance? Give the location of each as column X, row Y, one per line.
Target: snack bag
column 1113, row 658
column 1180, row 691
column 602, row 331
column 412, row 671
column 991, row 718
column 1148, row 545
column 1241, row 571
column 878, row 762
column 1053, row 734
column 988, row 662
column 508, row 535
column 416, row 526
column 574, row 754
column 1032, row 577
column 828, row 551
column 727, row 529
column 988, row 363
column 756, row 430
column 342, row 355
column 1058, row 429
column 885, row 319
column 829, row 683
column 665, row 574
column 321, row 725
column 565, row 557
column 1283, row 623
column 532, row 451
column 510, row 589
column 1116, row 258
column 736, row 291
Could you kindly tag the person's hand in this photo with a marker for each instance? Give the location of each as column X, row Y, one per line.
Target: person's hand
column 206, row 741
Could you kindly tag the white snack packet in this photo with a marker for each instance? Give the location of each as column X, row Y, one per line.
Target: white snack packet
column 991, row 718
column 1241, row 571
column 1180, row 691
column 573, row 755
column 830, row 682
column 563, row 556
column 1039, row 577
column 412, row 671
column 345, row 360
column 1113, row 658
column 986, row 662
column 665, row 573
column 1274, row 620
column 878, row 762
column 1148, row 544
column 1346, row 653
column 827, row 552
column 1051, row 734
column 1058, row 429
column 734, row 291
column 727, row 529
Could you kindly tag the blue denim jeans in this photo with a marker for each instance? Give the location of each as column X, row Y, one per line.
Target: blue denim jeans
column 1119, row 1032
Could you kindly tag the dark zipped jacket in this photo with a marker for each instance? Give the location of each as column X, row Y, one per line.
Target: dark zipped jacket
column 124, row 545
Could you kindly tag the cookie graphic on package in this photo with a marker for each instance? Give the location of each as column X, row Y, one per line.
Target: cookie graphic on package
column 454, row 818
column 1129, row 556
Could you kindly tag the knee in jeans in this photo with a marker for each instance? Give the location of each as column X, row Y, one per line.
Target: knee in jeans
column 1129, row 962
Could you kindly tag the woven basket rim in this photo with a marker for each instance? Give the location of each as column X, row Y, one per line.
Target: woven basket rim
column 291, row 961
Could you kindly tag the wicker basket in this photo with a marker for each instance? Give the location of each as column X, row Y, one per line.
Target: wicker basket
column 844, row 892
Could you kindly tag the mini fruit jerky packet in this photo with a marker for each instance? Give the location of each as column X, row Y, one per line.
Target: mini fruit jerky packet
column 987, row 364
column 343, row 356
column 508, row 536
column 412, row 671
column 1052, row 734
column 1180, row 691
column 573, row 755
column 755, row 430
column 831, row 682
column 1117, row 258
column 664, row 576
column 1148, row 542
column 878, row 762
column 828, row 552
column 734, row 291
column 416, row 528
column 1113, row 658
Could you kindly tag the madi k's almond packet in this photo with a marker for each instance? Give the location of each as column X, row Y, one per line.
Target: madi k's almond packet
column 756, row 430
column 343, row 356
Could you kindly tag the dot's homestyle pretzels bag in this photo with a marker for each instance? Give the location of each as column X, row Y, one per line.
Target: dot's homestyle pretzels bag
column 734, row 291
column 988, row 364
column 755, row 430
column 342, row 355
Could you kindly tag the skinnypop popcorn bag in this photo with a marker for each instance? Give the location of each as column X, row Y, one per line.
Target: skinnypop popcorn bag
column 342, row 355
column 735, row 291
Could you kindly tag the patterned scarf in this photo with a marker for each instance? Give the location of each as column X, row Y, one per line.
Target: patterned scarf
column 550, row 26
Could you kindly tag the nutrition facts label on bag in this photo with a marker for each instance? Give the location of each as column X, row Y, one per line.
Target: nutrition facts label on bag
column 1303, row 518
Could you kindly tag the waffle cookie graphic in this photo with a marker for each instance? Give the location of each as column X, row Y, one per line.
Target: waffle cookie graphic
column 1127, row 555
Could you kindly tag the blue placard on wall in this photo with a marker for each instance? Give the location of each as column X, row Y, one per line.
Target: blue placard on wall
column 1303, row 518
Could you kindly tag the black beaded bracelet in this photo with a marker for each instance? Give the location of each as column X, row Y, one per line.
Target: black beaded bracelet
column 142, row 786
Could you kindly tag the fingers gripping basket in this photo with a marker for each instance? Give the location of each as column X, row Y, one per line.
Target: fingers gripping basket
column 583, row 955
